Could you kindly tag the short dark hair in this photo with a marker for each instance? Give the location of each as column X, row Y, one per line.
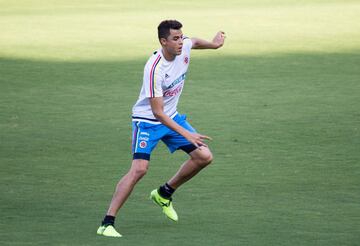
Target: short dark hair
column 165, row 26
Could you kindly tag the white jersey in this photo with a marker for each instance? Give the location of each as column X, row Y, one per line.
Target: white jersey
column 165, row 79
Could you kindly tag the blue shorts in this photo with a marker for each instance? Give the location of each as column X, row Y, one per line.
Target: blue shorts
column 146, row 136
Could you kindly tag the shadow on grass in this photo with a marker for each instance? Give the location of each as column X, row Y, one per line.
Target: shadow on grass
column 234, row 93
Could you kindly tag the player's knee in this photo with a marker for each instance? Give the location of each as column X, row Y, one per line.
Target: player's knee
column 205, row 158
column 138, row 173
column 208, row 158
column 138, row 170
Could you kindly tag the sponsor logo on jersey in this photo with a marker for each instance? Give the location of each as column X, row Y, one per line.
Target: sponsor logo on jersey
column 144, row 133
column 144, row 138
column 177, row 81
column 171, row 93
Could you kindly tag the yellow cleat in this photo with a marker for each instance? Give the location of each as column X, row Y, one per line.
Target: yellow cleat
column 108, row 231
column 165, row 204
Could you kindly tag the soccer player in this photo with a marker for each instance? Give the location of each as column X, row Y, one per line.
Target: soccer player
column 155, row 118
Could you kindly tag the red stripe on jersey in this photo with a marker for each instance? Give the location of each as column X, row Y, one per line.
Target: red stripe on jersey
column 152, row 71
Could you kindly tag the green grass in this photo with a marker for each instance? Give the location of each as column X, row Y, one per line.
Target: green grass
column 281, row 102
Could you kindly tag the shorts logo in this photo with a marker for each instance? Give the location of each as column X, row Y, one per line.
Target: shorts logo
column 186, row 60
column 144, row 138
column 143, row 144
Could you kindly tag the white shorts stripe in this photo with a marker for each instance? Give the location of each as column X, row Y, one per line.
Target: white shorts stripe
column 137, row 136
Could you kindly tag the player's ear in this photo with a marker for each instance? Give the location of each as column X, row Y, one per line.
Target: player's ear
column 162, row 41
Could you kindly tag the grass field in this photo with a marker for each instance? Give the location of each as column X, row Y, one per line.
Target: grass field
column 281, row 101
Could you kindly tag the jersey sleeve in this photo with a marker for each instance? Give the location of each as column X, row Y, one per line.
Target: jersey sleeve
column 153, row 79
column 187, row 44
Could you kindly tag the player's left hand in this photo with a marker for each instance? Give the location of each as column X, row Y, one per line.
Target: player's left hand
column 219, row 39
column 198, row 139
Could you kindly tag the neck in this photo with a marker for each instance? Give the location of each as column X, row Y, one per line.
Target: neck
column 168, row 56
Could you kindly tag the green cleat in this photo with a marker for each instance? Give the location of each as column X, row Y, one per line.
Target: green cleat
column 108, row 231
column 165, row 204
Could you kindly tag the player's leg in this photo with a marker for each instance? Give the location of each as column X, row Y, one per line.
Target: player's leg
column 199, row 159
column 123, row 189
column 144, row 141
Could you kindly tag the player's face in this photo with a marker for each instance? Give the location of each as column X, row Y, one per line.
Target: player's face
column 174, row 42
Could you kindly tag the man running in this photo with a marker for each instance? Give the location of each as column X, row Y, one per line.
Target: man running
column 155, row 118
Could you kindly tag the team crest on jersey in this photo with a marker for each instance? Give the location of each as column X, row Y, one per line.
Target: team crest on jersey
column 186, row 60
column 143, row 144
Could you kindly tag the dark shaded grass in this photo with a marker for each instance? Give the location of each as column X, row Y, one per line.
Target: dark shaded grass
column 286, row 145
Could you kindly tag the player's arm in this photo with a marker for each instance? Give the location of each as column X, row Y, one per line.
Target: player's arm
column 216, row 43
column 157, row 106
